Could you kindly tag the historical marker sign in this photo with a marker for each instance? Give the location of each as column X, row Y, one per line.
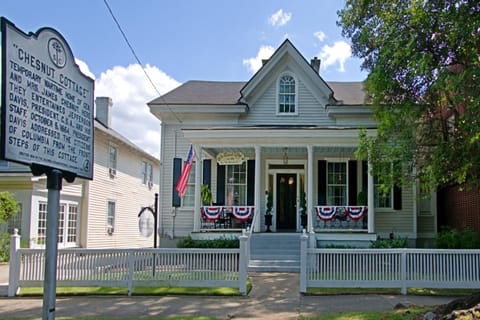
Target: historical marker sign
column 47, row 102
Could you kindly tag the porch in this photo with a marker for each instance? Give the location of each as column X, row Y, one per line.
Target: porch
column 312, row 188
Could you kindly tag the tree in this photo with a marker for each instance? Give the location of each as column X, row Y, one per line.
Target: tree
column 423, row 59
column 8, row 206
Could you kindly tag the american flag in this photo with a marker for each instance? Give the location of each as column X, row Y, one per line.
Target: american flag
column 181, row 186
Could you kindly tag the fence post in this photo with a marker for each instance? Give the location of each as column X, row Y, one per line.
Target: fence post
column 131, row 266
column 14, row 265
column 303, row 261
column 243, row 264
column 404, row 271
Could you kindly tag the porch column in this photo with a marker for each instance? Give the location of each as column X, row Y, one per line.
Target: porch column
column 371, row 201
column 310, row 188
column 258, row 191
column 198, row 185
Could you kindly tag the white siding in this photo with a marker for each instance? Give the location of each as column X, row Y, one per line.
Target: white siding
column 310, row 111
column 125, row 189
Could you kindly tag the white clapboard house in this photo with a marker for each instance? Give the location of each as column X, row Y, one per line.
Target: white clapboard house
column 98, row 213
column 288, row 135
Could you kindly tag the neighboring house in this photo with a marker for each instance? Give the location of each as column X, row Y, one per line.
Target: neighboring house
column 288, row 133
column 101, row 213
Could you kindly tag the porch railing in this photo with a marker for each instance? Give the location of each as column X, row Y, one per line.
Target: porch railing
column 389, row 268
column 227, row 217
column 340, row 218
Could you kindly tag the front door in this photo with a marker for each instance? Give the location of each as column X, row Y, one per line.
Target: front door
column 286, row 205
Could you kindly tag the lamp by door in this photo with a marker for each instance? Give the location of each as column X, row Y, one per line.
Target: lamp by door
column 285, row 156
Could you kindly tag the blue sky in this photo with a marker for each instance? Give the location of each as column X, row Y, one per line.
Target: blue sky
column 180, row 40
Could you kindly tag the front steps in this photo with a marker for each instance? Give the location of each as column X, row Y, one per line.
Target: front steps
column 274, row 252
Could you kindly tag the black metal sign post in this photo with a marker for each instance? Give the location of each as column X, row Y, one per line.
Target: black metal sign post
column 154, row 211
column 54, row 185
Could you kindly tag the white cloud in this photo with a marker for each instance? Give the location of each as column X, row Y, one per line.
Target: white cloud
column 279, row 18
column 255, row 63
column 130, row 91
column 84, row 68
column 320, row 35
column 338, row 53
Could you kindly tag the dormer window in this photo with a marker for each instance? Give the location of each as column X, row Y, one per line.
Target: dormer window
column 287, row 95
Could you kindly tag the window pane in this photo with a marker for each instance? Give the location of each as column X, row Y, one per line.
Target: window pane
column 286, row 94
column 111, row 214
column 189, row 197
column 72, row 224
column 61, row 223
column 337, row 184
column 236, row 184
column 42, row 222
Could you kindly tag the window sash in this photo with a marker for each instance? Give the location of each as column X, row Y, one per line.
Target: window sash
column 111, row 214
column 236, row 184
column 337, row 184
column 112, row 161
column 286, row 95
column 188, row 199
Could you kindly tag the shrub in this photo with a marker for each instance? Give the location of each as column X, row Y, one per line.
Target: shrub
column 222, row 243
column 449, row 238
column 390, row 243
column 4, row 247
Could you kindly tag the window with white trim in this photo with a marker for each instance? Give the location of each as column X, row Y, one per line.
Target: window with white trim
column 42, row 223
column 67, row 224
column 236, row 184
column 112, row 160
column 110, row 217
column 287, row 97
column 188, row 199
column 382, row 199
column 337, row 184
column 147, row 173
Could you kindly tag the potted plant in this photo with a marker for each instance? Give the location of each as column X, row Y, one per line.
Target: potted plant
column 268, row 212
column 303, row 210
column 362, row 198
column 206, row 195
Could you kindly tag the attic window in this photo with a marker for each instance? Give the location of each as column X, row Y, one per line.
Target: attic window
column 286, row 95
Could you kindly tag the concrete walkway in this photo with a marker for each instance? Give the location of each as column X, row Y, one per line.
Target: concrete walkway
column 273, row 296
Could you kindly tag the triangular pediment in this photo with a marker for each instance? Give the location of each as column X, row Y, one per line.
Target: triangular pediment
column 286, row 58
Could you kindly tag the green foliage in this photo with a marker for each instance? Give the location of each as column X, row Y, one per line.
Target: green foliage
column 303, row 202
column 206, row 194
column 424, row 67
column 449, row 238
column 269, row 202
column 8, row 206
column 222, row 243
column 4, row 247
column 394, row 243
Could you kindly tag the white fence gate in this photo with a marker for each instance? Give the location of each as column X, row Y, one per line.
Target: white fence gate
column 132, row 267
column 388, row 268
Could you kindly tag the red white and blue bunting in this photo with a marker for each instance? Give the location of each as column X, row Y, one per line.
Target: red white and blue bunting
column 212, row 213
column 242, row 213
column 325, row 213
column 356, row 213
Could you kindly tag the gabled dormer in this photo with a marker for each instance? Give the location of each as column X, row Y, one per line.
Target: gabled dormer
column 285, row 67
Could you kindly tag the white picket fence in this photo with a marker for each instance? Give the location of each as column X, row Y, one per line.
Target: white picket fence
column 388, row 268
column 132, row 268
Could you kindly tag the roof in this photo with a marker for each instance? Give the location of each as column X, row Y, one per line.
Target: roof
column 349, row 93
column 122, row 139
column 224, row 93
column 203, row 92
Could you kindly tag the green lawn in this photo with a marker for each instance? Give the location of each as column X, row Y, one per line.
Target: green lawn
column 401, row 314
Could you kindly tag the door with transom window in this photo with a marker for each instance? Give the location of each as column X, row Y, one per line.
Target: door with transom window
column 286, row 202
